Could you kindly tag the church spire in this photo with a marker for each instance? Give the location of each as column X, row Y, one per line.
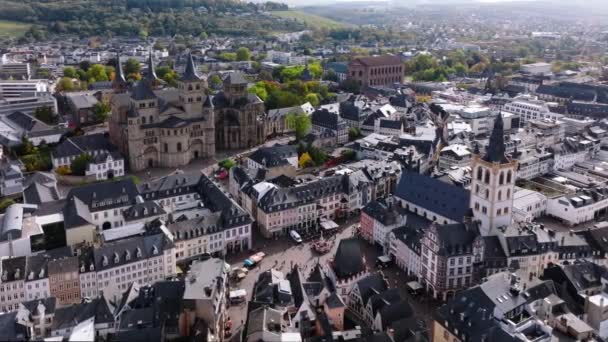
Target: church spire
column 150, row 74
column 495, row 153
column 119, row 83
column 190, row 74
column 120, row 75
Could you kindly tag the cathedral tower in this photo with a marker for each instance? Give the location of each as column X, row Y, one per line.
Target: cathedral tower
column 191, row 88
column 493, row 183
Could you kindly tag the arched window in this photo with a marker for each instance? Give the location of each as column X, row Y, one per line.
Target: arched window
column 476, row 189
column 508, row 193
column 143, row 120
column 179, row 147
column 479, row 173
column 499, row 195
column 189, row 86
column 487, row 193
column 487, row 177
column 509, row 176
column 501, row 178
column 166, row 147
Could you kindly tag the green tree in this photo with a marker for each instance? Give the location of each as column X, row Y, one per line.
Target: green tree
column 101, row 110
column 97, row 73
column 80, row 163
column 313, row 99
column 300, row 123
column 70, row 72
column 26, row 147
column 227, row 163
column 44, row 114
column 65, row 84
column 227, row 56
column 5, row 203
column 354, row 133
column 168, row 75
column 264, row 75
column 215, row 81
column 132, row 66
column 43, row 73
column 316, row 70
column 260, row 90
column 243, row 54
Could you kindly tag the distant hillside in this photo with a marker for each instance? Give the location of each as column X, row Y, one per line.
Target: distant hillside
column 147, row 17
column 310, row 20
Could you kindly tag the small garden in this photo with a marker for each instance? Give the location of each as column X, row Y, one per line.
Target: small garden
column 34, row 158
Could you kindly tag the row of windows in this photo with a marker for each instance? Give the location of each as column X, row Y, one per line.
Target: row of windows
column 485, row 175
column 499, row 195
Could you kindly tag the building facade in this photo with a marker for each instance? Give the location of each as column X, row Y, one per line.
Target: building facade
column 376, row 70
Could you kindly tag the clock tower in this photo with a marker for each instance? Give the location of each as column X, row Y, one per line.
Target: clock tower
column 493, row 183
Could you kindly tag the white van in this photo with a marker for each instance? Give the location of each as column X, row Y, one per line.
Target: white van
column 295, row 236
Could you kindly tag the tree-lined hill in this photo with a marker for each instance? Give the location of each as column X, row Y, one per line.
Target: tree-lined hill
column 146, row 17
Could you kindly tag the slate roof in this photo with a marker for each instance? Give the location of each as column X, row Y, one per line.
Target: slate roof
column 394, row 312
column 495, row 152
column 274, row 155
column 169, row 186
column 82, row 101
column 122, row 252
column 190, row 74
column 149, row 74
column 387, row 214
column 83, row 144
column 68, row 317
column 457, row 238
column 371, row 285
column 434, row 195
column 13, row 269
column 119, row 77
column 106, row 195
column 49, row 304
column 350, row 112
column 142, row 91
column 235, row 78
column 143, row 210
column 28, row 122
column 11, row 330
column 334, row 301
column 326, row 119
column 349, row 259
column 391, row 124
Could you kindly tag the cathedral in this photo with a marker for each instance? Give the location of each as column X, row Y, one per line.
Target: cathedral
column 156, row 126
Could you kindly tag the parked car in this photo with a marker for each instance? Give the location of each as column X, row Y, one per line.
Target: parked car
column 295, row 236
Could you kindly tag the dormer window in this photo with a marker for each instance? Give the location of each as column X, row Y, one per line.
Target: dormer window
column 154, row 250
column 127, row 256
column 30, row 276
column 41, row 274
column 116, row 258
column 104, row 262
column 92, row 268
column 138, row 254
column 82, row 268
column 17, row 273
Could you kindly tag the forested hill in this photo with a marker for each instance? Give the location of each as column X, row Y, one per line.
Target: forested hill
column 146, row 17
